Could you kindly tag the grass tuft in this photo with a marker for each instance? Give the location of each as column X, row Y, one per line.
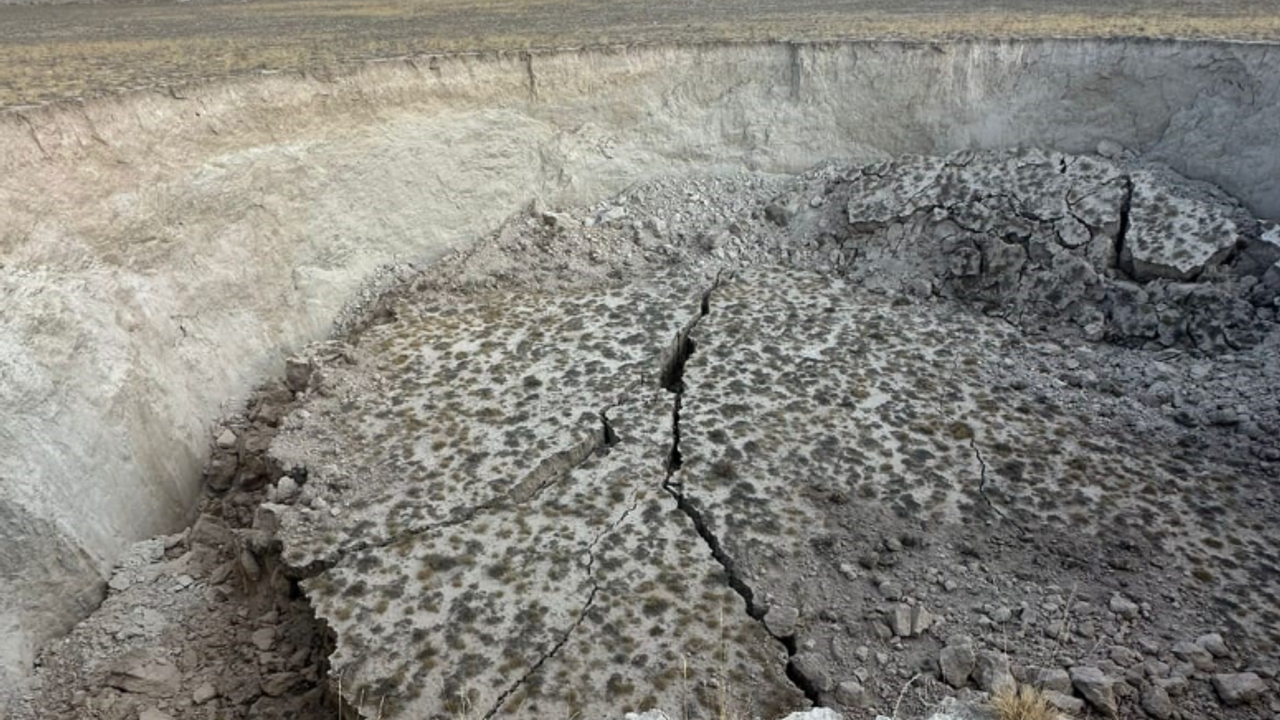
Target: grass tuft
column 1024, row 703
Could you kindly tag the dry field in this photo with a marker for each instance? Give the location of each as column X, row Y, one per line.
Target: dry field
column 60, row 52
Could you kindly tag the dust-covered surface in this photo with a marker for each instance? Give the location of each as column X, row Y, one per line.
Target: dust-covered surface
column 747, row 443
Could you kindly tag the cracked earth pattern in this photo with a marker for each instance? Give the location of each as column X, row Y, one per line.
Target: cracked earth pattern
column 690, row 488
column 807, row 395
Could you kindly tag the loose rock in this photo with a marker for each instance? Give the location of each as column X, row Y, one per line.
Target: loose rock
column 957, row 664
column 1156, row 703
column 991, row 672
column 142, row 673
column 1238, row 688
column 1096, row 688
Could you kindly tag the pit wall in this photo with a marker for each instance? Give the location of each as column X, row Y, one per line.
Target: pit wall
column 160, row 252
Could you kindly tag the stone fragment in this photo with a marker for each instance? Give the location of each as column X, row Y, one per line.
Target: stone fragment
column 220, row 473
column 266, row 518
column 1096, row 688
column 1214, row 643
column 900, row 620
column 142, row 673
column 1174, row 237
column 1055, row 679
column 813, row 668
column 1156, row 703
column 1261, row 254
column 781, row 620
column 286, row 489
column 957, row 665
column 780, row 212
column 1124, row 657
column 991, row 673
column 1072, row 233
column 921, row 620
column 611, row 215
column 1190, row 652
column 250, row 568
column 297, row 373
column 121, row 580
column 557, row 220
column 270, row 406
column 908, row 621
column 851, row 693
column 204, row 693
column 211, row 531
column 1110, row 149
column 1124, row 607
column 1238, row 688
column 890, row 590
column 154, row 714
column 226, row 439
column 277, row 684
column 1001, row 615
column 1068, row 704
column 264, row 638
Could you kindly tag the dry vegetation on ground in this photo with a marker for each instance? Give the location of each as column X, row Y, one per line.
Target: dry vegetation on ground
column 77, row 51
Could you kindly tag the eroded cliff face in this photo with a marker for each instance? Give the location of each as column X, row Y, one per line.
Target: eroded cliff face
column 161, row 251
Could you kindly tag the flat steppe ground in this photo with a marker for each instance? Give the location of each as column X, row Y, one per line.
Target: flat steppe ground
column 68, row 51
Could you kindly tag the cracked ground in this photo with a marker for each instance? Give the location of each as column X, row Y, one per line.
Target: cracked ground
column 725, row 483
column 678, row 512
column 734, row 446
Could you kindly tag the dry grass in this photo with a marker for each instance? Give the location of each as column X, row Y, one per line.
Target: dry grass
column 68, row 51
column 1024, row 703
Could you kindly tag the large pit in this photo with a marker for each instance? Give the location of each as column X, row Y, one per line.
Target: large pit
column 183, row 244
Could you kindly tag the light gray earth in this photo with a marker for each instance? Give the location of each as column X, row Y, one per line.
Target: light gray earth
column 478, row 401
column 902, row 437
column 730, row 446
column 505, row 542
